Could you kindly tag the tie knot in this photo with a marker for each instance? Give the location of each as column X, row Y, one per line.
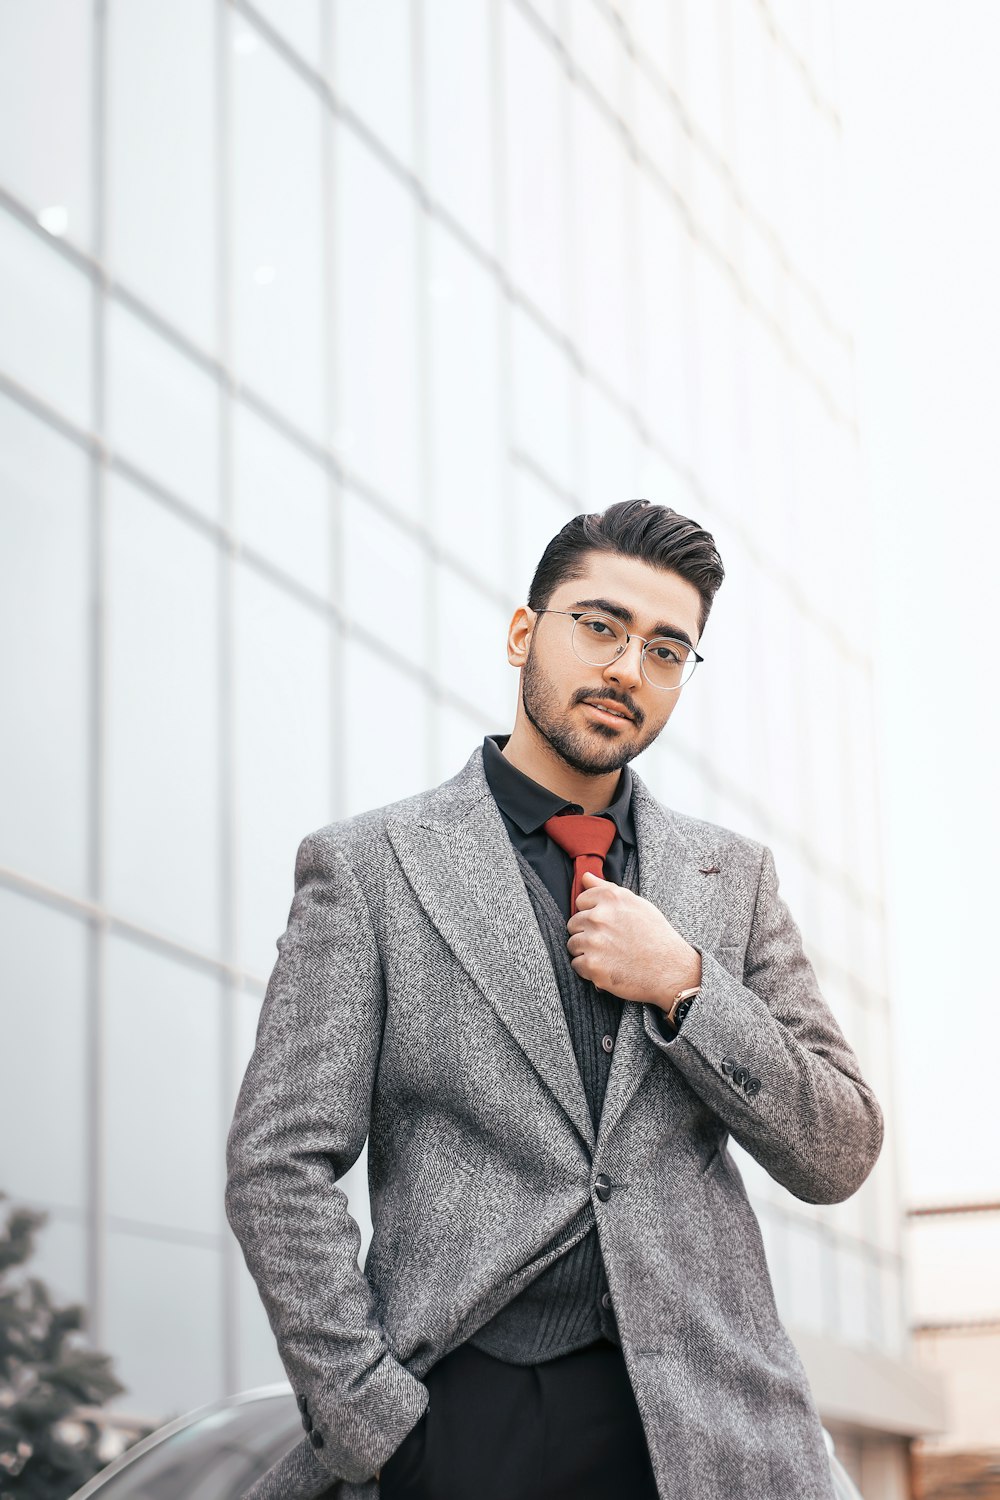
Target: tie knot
column 581, row 833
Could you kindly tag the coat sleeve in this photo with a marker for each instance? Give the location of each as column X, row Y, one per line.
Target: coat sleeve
column 768, row 1057
column 300, row 1123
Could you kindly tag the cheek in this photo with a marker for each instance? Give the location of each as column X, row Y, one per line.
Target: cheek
column 660, row 715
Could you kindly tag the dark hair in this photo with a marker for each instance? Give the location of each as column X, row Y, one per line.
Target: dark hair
column 654, row 533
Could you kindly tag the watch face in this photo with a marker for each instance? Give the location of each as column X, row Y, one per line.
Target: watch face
column 681, row 1011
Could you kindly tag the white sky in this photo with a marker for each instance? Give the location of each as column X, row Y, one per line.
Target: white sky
column 921, row 108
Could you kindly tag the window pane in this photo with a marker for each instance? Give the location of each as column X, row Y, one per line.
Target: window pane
column 457, row 87
column 60, row 1258
column 657, row 29
column 538, row 515
column 471, row 657
column 781, row 766
column 595, row 46
column 45, row 663
column 385, row 745
column 164, row 1124
column 282, row 752
column 715, row 389
column 373, row 68
column 536, row 160
column 542, row 382
column 375, row 324
column 43, row 1038
column 659, row 132
column 456, row 735
column 675, row 773
column 852, row 1295
column 384, row 579
column 162, row 411
column 666, row 340
column 766, row 480
column 611, row 451
column 281, row 501
column 887, row 1287
column 47, row 321
column 604, row 272
column 163, row 703
column 163, row 158
column 801, row 1296
column 277, row 249
column 467, row 451
column 704, row 54
column 826, row 729
column 45, row 152
column 298, row 22
column 163, row 1327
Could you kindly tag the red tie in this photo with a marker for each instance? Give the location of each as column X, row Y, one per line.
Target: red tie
column 587, row 839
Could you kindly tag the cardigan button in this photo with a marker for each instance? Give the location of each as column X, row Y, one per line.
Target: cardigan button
column 607, row 1042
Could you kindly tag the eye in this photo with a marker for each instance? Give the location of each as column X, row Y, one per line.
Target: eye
column 598, row 627
column 665, row 653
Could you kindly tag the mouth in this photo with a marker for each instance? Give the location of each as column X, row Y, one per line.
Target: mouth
column 609, row 715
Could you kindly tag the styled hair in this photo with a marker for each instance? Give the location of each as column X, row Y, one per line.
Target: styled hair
column 656, row 534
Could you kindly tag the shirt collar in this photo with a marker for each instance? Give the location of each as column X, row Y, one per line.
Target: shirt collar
column 528, row 804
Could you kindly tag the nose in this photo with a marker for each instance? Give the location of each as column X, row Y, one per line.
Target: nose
column 626, row 669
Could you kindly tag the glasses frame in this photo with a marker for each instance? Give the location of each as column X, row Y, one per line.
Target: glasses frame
column 598, row 614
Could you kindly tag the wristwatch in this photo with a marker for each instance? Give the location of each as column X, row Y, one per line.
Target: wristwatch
column 680, row 1005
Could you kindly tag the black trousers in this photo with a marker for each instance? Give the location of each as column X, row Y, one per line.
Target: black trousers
column 568, row 1429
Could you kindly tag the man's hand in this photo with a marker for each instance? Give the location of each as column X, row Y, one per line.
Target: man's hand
column 624, row 944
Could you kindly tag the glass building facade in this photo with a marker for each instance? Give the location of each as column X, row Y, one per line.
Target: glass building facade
column 318, row 320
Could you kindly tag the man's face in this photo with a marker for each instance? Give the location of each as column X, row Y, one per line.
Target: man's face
column 556, row 684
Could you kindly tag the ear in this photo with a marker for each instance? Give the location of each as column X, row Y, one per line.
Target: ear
column 519, row 634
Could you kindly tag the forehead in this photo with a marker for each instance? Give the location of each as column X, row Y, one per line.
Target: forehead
column 655, row 596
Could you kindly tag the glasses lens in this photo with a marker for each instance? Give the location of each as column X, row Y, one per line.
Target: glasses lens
column 598, row 639
column 669, row 663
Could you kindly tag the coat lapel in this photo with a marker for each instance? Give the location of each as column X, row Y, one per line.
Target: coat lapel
column 460, row 862
column 458, row 858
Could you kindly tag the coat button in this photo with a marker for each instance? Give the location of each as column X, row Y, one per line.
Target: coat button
column 602, row 1186
column 740, row 1074
column 605, row 1299
column 728, row 1064
column 302, row 1403
column 752, row 1086
column 607, row 1042
column 316, row 1438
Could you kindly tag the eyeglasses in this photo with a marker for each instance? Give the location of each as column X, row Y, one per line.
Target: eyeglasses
column 599, row 640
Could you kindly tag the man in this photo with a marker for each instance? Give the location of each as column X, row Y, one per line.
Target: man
column 547, row 1001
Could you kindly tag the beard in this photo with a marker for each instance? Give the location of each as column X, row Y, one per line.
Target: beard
column 593, row 748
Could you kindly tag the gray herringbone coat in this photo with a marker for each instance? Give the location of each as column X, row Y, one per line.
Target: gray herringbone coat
column 413, row 1002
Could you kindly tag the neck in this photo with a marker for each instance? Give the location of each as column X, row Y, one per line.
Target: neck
column 537, row 759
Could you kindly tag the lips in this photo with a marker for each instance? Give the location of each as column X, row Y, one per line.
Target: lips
column 609, row 708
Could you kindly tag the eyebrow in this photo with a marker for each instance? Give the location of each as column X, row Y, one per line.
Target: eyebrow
column 626, row 616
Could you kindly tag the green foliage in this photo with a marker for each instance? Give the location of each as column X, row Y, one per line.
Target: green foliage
column 48, row 1448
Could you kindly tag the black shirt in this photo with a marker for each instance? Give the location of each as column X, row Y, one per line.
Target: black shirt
column 525, row 805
